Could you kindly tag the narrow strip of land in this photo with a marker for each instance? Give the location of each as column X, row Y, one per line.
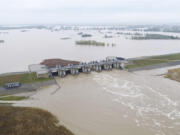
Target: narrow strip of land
column 153, row 62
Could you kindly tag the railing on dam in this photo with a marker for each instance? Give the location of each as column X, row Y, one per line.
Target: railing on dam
column 107, row 64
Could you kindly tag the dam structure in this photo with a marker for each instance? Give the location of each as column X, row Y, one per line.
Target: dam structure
column 45, row 71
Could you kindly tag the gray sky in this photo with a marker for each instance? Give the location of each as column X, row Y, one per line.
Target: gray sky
column 89, row 11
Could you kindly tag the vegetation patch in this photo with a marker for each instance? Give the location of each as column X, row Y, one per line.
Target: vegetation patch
column 144, row 62
column 1, row 41
column 22, row 78
column 29, row 121
column 174, row 74
column 65, row 38
column 13, row 98
column 90, row 42
column 155, row 37
column 175, row 56
column 5, row 104
column 153, row 60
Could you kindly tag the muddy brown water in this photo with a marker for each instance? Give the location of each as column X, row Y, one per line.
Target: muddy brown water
column 113, row 103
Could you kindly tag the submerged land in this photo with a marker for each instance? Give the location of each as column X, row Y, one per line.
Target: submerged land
column 52, row 34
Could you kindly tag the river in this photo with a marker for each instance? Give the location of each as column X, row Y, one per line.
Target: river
column 113, row 103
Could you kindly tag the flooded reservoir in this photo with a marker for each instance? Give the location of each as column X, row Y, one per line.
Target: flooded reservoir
column 21, row 49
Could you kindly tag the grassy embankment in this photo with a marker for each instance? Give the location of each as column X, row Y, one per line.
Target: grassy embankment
column 153, row 60
column 12, row 98
column 174, row 74
column 5, row 104
column 23, row 78
column 29, row 121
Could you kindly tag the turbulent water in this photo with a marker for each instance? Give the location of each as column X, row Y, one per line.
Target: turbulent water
column 114, row 103
column 23, row 48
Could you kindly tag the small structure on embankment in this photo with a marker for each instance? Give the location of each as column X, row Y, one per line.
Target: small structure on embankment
column 61, row 68
column 41, row 71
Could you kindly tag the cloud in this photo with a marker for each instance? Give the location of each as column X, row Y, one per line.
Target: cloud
column 89, row 11
column 55, row 4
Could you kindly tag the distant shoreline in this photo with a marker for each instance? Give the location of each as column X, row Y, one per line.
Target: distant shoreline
column 154, row 37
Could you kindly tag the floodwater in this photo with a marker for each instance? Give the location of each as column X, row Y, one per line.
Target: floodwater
column 24, row 48
column 113, row 103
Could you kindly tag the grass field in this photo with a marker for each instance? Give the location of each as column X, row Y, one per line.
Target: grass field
column 174, row 74
column 29, row 121
column 153, row 60
column 22, row 78
column 5, row 104
column 13, row 98
column 168, row 57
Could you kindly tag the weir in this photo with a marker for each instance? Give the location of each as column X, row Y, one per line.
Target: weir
column 83, row 67
column 107, row 64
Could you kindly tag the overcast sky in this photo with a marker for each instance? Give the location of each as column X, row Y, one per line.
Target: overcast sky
column 89, row 11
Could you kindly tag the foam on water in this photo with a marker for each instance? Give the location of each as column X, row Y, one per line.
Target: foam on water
column 130, row 100
column 150, row 105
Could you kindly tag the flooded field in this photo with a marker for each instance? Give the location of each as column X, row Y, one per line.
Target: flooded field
column 113, row 103
column 23, row 48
